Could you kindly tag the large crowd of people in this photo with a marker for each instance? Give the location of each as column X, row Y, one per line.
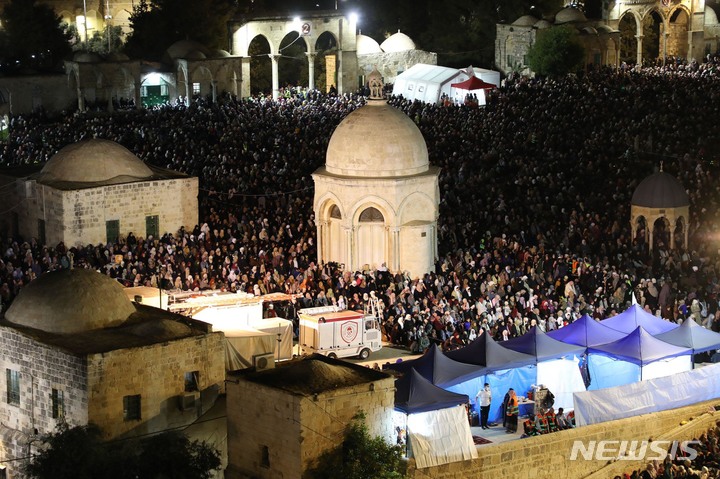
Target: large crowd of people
column 534, row 216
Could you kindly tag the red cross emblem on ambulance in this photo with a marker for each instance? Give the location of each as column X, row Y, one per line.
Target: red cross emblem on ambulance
column 348, row 331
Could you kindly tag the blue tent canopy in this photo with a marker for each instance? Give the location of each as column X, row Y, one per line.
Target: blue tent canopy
column 639, row 347
column 586, row 332
column 414, row 393
column 635, row 316
column 438, row 369
column 484, row 351
column 542, row 346
column 692, row 335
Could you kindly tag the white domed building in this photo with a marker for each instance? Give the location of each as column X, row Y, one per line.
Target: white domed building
column 97, row 191
column 75, row 349
column 376, row 198
column 396, row 54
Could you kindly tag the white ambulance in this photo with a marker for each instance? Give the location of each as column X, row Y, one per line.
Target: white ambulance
column 338, row 334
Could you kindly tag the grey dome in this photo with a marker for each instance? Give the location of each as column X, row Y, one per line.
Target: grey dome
column 187, row 49
column 542, row 24
column 71, row 301
column 377, row 140
column 525, row 21
column 93, row 161
column 570, row 15
column 660, row 190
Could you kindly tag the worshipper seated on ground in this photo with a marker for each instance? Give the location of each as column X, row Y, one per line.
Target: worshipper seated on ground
column 562, row 420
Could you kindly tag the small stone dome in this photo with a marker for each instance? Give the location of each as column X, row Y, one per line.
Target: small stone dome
column 377, row 140
column 398, row 42
column 117, row 57
column 569, row 15
column 187, row 49
column 660, row 190
column 220, row 54
column 588, row 31
column 367, row 46
column 542, row 24
column 86, row 57
column 525, row 21
column 71, row 301
column 605, row 29
column 94, row 161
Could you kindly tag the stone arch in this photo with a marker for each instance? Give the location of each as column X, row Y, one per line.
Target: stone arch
column 325, row 60
column 417, row 207
column 675, row 32
column 259, row 67
column 311, row 26
column 183, row 83
column 630, row 26
column 639, row 229
column 371, row 239
column 661, row 233
column 293, row 59
column 679, row 233
column 202, row 82
column 653, row 23
column 331, row 230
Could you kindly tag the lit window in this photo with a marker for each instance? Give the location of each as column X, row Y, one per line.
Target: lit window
column 196, row 88
column 58, row 404
column 13, row 387
column 131, row 407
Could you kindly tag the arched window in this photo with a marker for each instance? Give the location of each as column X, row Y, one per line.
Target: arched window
column 335, row 212
column 371, row 215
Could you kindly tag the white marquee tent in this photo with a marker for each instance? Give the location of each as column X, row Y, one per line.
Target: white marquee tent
column 427, row 83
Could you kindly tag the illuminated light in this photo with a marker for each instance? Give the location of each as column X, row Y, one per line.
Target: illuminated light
column 353, row 17
column 153, row 78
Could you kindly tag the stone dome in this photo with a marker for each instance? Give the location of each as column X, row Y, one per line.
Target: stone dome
column 398, row 42
column 569, row 15
column 187, row 49
column 605, row 29
column 94, row 161
column 377, row 140
column 588, row 30
column 117, row 57
column 542, row 24
column 525, row 21
column 71, row 301
column 711, row 16
column 220, row 54
column 660, row 190
column 86, row 57
column 367, row 46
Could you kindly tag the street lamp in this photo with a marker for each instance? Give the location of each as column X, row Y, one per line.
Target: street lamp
column 85, row 22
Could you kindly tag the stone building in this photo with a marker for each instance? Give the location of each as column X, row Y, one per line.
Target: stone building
column 95, row 191
column 660, row 212
column 377, row 197
column 75, row 349
column 513, row 41
column 280, row 420
column 626, row 32
column 396, row 54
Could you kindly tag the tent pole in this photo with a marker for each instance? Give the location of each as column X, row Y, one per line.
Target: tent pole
column 407, row 439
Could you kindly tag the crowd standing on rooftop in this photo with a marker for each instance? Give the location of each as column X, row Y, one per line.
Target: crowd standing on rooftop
column 534, row 217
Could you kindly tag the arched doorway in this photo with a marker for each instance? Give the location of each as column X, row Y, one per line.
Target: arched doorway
column 640, row 232
column 371, row 238
column 677, row 37
column 326, row 65
column 661, row 234
column 334, row 239
column 679, row 234
column 260, row 66
column 628, row 39
column 293, row 62
column 652, row 25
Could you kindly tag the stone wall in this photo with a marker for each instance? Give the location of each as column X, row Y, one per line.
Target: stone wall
column 512, row 43
column 274, row 434
column 78, row 217
column 28, row 93
column 545, row 456
column 157, row 373
column 390, row 65
column 41, row 369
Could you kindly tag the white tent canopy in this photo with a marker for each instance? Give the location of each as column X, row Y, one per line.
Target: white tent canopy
column 440, row 437
column 428, row 83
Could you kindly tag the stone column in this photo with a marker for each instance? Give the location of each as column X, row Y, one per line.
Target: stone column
column 244, row 78
column 349, row 256
column 213, row 86
column 672, row 239
column 394, row 263
column 321, row 232
column 649, row 235
column 639, row 59
column 275, row 82
column 136, row 94
column 81, row 98
column 311, row 70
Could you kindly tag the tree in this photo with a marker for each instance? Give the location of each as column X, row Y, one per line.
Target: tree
column 158, row 25
column 556, row 52
column 360, row 456
column 42, row 50
column 79, row 453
